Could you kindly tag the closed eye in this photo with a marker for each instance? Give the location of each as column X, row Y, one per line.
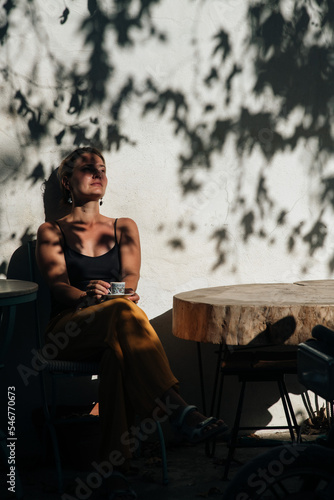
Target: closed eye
column 91, row 168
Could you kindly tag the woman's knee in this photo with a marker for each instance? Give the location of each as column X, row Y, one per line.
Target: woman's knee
column 123, row 309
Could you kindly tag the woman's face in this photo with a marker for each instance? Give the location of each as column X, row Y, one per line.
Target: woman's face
column 89, row 180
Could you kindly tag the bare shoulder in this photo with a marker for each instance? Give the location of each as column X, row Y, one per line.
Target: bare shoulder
column 48, row 231
column 127, row 232
column 126, row 224
column 49, row 253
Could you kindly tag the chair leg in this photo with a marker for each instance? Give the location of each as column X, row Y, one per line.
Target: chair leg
column 165, row 479
column 210, row 446
column 288, row 409
column 218, row 368
column 50, row 427
column 235, row 431
column 331, row 412
column 201, row 376
column 292, row 413
column 56, row 454
column 163, row 454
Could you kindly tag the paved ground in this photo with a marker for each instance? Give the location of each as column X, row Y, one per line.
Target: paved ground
column 191, row 474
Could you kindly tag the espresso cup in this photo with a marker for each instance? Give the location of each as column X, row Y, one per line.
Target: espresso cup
column 117, row 288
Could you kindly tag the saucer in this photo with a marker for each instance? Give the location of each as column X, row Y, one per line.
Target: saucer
column 117, row 295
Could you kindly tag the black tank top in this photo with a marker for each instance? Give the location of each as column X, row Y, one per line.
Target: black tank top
column 81, row 269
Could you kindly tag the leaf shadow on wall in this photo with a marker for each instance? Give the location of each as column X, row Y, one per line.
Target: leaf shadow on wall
column 292, row 62
column 291, row 58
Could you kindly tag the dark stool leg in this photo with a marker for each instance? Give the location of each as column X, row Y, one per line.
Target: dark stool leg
column 235, row 431
column 210, row 446
column 201, row 376
column 292, row 413
column 215, row 385
column 287, row 408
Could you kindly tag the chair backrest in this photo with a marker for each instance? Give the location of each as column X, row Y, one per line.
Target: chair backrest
column 31, row 327
column 23, row 266
column 43, row 303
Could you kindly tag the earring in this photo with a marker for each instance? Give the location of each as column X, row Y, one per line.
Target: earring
column 101, row 202
column 69, row 199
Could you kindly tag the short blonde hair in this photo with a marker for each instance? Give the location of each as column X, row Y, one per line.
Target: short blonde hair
column 66, row 167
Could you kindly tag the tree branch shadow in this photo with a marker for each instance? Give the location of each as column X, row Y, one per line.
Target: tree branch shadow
column 290, row 57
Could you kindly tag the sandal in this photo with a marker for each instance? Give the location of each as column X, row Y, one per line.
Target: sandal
column 122, row 487
column 198, row 433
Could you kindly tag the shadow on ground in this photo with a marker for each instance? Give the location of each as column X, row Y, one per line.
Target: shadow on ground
column 191, row 473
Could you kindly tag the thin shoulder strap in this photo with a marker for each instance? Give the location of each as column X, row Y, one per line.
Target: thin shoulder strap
column 62, row 232
column 115, row 231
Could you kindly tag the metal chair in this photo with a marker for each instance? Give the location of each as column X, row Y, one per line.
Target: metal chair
column 262, row 364
column 57, row 370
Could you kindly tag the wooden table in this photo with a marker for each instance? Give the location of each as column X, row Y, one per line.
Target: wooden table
column 12, row 293
column 276, row 313
column 252, row 315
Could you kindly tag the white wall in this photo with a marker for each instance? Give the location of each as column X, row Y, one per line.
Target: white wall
column 144, row 177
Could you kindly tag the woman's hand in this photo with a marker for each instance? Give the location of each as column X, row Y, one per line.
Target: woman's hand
column 134, row 297
column 97, row 289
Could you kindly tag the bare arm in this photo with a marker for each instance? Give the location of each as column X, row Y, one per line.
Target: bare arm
column 51, row 262
column 130, row 252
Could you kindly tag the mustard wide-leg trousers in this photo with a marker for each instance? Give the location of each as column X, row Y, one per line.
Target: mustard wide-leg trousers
column 134, row 369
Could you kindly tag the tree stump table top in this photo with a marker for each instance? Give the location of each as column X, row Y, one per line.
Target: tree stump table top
column 254, row 314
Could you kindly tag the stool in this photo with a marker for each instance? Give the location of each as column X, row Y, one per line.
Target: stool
column 262, row 364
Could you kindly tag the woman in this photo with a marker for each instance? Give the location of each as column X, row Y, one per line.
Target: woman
column 79, row 255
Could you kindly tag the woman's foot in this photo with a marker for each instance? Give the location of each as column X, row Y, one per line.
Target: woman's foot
column 195, row 427
column 194, row 417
